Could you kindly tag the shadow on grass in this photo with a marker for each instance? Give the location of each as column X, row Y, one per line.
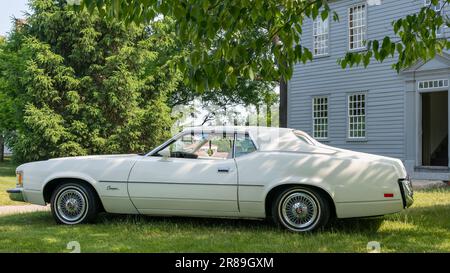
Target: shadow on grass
column 210, row 223
column 361, row 225
column 352, row 225
column 421, row 229
column 432, row 217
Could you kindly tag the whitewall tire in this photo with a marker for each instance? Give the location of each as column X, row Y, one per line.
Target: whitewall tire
column 300, row 209
column 73, row 203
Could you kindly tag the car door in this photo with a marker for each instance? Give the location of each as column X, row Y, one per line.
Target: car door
column 194, row 175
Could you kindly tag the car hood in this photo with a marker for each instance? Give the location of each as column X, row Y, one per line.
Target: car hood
column 74, row 158
column 94, row 157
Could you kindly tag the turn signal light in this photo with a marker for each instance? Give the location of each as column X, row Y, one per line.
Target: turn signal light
column 388, row 195
column 19, row 176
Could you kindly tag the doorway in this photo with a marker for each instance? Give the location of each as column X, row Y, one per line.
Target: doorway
column 435, row 129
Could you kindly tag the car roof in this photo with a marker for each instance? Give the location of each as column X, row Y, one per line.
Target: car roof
column 255, row 130
column 265, row 138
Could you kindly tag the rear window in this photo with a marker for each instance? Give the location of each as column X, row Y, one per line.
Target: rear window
column 305, row 138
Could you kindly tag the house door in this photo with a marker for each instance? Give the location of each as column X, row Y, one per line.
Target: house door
column 435, row 129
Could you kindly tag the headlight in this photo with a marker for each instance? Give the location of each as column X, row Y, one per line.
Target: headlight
column 19, row 177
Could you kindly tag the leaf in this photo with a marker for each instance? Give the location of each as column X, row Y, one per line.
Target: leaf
column 251, row 74
column 324, row 15
column 335, row 16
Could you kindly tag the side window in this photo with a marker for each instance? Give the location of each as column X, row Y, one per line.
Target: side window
column 244, row 145
column 216, row 147
column 200, row 146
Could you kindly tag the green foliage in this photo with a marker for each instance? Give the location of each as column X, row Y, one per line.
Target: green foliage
column 245, row 92
column 77, row 84
column 261, row 38
column 416, row 39
column 6, row 105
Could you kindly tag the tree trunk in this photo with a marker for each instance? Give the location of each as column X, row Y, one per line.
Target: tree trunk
column 269, row 115
column 257, row 115
column 2, row 148
column 283, row 93
column 283, row 103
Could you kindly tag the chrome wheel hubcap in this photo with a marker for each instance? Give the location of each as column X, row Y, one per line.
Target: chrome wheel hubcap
column 71, row 205
column 299, row 210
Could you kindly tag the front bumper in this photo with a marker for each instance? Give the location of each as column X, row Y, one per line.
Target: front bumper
column 16, row 194
column 407, row 192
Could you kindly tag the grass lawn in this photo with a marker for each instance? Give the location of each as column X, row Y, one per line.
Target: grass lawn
column 425, row 227
column 7, row 181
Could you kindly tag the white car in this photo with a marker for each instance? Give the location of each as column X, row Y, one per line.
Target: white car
column 237, row 172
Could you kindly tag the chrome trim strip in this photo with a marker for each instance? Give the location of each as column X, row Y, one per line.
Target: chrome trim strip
column 174, row 183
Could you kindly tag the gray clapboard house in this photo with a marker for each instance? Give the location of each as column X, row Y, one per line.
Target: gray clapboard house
column 375, row 110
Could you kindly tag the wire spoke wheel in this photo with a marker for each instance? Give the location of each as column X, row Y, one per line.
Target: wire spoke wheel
column 71, row 205
column 300, row 210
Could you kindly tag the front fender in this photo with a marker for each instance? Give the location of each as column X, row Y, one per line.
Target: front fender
column 70, row 175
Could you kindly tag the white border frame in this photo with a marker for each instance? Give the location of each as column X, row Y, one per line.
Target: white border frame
column 365, row 93
column 366, row 26
column 328, row 38
column 328, row 117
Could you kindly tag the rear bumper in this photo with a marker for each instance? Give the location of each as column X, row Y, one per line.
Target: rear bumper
column 407, row 192
column 16, row 194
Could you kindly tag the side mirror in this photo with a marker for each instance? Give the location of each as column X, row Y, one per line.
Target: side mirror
column 164, row 153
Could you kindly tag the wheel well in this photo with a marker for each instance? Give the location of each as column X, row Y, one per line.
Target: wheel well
column 271, row 196
column 51, row 186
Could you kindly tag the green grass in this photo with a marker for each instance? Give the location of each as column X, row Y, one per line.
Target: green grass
column 7, row 181
column 425, row 227
column 422, row 228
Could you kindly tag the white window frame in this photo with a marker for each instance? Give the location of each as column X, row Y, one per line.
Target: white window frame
column 321, row 37
column 362, row 28
column 358, row 133
column 320, row 115
column 433, row 84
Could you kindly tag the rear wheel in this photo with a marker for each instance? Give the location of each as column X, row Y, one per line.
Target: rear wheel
column 300, row 209
column 73, row 203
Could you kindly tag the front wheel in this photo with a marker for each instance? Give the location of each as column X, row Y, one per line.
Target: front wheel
column 73, row 203
column 300, row 209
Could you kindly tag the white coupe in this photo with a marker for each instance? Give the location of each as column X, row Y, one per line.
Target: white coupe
column 237, row 172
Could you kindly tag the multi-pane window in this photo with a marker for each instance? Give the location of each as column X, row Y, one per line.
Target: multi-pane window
column 320, row 117
column 321, row 36
column 437, row 8
column 357, row 26
column 432, row 84
column 357, row 115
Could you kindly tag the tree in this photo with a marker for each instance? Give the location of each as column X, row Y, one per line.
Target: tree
column 2, row 142
column 6, row 111
column 218, row 104
column 223, row 51
column 81, row 85
column 218, row 100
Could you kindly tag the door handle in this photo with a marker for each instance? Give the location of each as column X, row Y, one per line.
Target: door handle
column 223, row 170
